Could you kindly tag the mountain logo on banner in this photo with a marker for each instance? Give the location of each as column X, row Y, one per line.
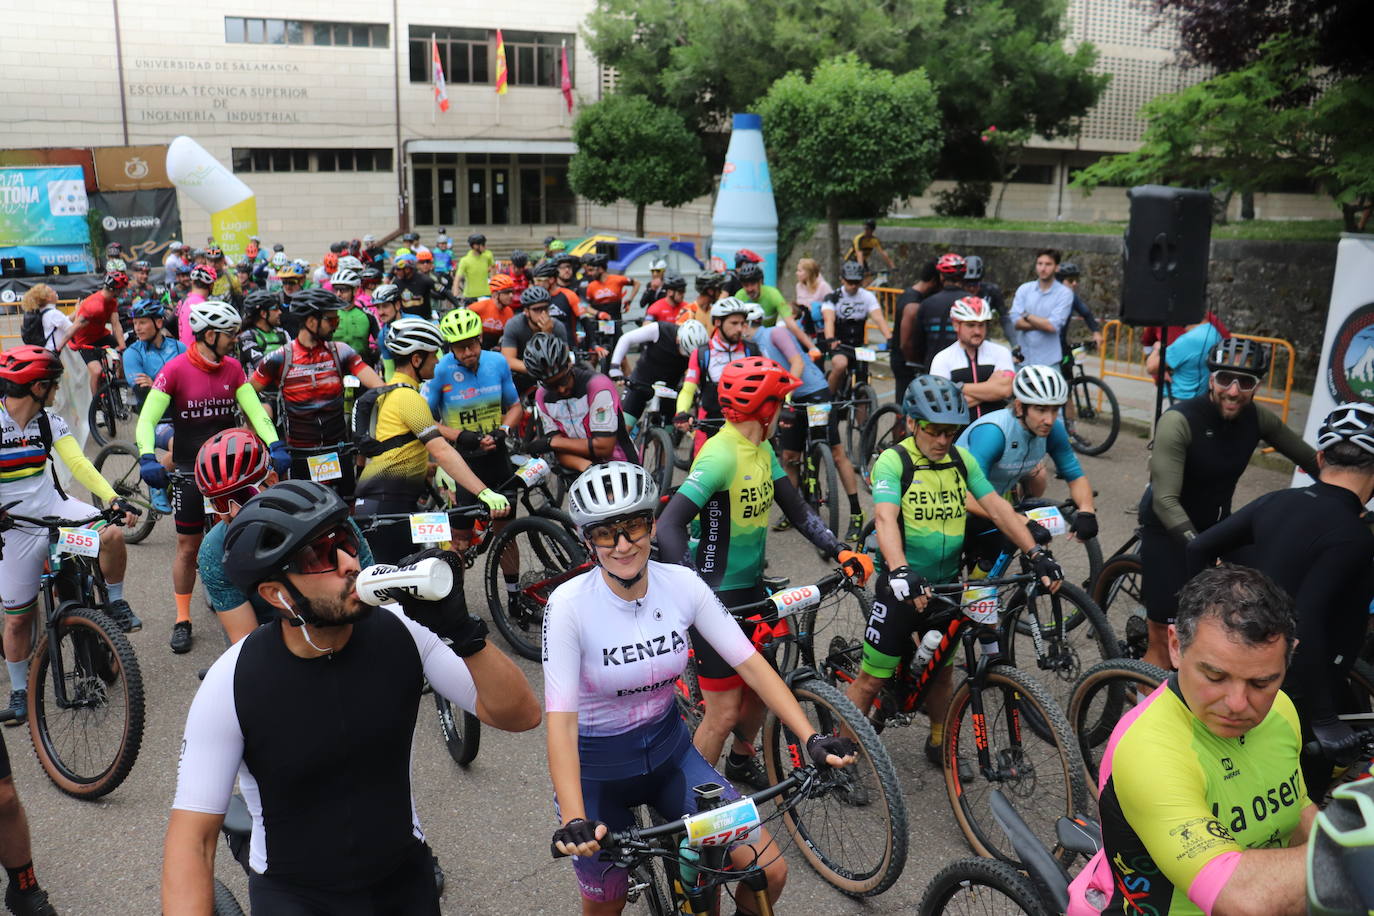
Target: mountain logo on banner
column 1350, row 371
column 136, row 169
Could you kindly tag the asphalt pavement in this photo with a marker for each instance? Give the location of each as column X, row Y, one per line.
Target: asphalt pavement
column 489, row 824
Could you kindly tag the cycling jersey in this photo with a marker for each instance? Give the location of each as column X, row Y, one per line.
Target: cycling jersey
column 143, row 358
column 958, row 365
column 518, row 332
column 770, row 300
column 591, row 409
column 780, row 345
column 401, row 471
column 462, row 399
column 934, row 330
column 932, row 507
column 475, row 269
column 851, row 313
column 202, row 403
column 666, row 310
column 566, row 308
column 185, row 334
column 312, row 391
column 1179, row 804
column 96, row 309
column 1006, row 450
column 255, row 343
column 494, row 317
column 303, row 735
column 605, row 294
column 659, row 361
column 357, row 328
column 704, row 369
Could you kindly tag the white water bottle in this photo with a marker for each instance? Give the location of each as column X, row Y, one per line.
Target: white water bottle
column 925, row 651
column 428, row 580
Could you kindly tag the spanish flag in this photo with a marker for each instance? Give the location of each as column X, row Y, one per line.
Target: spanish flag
column 437, row 75
column 500, row 64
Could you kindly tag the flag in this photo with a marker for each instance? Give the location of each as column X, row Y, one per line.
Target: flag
column 566, row 82
column 500, row 64
column 440, row 90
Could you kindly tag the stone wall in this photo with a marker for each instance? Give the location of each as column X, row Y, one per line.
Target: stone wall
column 1275, row 289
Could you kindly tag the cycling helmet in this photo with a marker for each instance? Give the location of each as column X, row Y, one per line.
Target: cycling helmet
column 274, row 525
column 745, row 255
column 753, row 388
column 612, row 490
column 331, row 262
column 518, row 258
column 408, row 335
column 658, row 264
column 175, row 246
column 405, row 260
column 723, row 308
column 346, row 277
column 691, row 334
column 411, row 237
column 214, row 252
column 477, row 238
column 675, row 282
column 113, row 250
column 302, row 266
column 348, row 262
column 460, row 324
column 501, row 283
column 970, row 308
column 556, row 245
column 117, row 279
column 597, row 260
column 951, row 265
column 442, row 239
column 230, row 459
column 935, row 400
column 533, row 295
column 279, row 247
column 259, row 301
column 425, row 256
column 26, row 364
column 973, row 267
column 749, row 272
column 1340, row 853
column 183, row 269
column 1348, row 423
column 545, row 270
column 148, row 308
column 568, row 260
column 1067, row 271
column 197, row 253
column 1236, row 354
column 203, row 274
column 387, row 292
column 315, row 301
column 852, row 271
column 290, row 272
column 141, row 265
column 546, row 356
column 370, row 275
column 213, row 315
column 1044, row 385
column 755, row 313
column 710, row 281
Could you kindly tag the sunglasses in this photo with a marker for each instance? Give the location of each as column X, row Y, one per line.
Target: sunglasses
column 1225, row 379
column 608, row 534
column 941, row 430
column 228, row 502
column 322, row 554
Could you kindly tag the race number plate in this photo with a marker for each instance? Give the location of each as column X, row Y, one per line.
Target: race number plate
column 81, row 542
column 533, row 471
column 606, row 326
column 663, row 391
column 324, row 467
column 724, row 825
column 429, row 527
column 351, row 381
column 1050, row 518
column 980, row 605
column 796, row 599
column 817, row 414
column 865, row 354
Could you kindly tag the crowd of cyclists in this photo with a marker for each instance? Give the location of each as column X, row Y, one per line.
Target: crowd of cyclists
column 288, row 413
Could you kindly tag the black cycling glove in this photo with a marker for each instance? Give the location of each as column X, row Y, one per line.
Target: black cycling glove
column 468, row 440
column 539, row 445
column 1085, row 525
column 905, row 584
column 1338, row 741
column 1039, row 532
column 441, row 615
column 575, row 832
column 123, row 505
column 1045, row 566
column 819, row 746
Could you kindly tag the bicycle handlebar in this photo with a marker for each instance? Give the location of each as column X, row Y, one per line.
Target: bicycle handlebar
column 827, row 587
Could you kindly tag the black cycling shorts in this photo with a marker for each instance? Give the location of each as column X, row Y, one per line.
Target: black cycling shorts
column 188, row 503
column 408, row 889
column 348, row 471
column 493, row 469
column 1165, row 571
column 635, row 400
column 792, row 422
column 887, row 637
column 93, row 353
column 713, row 672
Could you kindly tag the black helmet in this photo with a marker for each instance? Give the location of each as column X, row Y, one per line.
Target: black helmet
column 708, row 281
column 518, row 258
column 546, row 269
column 315, row 301
column 259, row 301
column 411, row 237
column 570, row 259
column 748, row 272
column 477, row 238
column 936, row 400
column 675, row 281
column 545, row 356
column 1236, row 354
column 533, row 295
column 141, row 265
column 852, row 271
column 278, row 247
column 1067, row 271
column 597, row 260
column 973, row 267
column 274, row 525
column 370, row 273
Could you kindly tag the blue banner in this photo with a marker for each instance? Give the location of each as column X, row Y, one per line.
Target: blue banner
column 38, row 258
column 43, row 206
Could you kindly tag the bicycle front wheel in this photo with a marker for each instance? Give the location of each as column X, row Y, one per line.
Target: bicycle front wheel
column 1104, row 694
column 544, row 556
column 102, row 416
column 865, row 401
column 1120, row 592
column 118, row 463
column 1097, row 416
column 462, row 731
column 980, row 887
column 885, row 428
column 1039, row 767
column 821, row 486
column 86, row 719
column 854, row 836
column 656, row 455
column 1058, row 636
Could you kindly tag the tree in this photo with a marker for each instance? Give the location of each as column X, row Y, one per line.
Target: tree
column 1228, row 34
column 880, row 140
column 630, row 149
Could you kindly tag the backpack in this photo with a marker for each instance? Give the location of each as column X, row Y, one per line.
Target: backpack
column 365, row 424
column 31, row 329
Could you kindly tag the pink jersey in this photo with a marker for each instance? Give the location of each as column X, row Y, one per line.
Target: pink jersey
column 592, row 409
column 184, row 319
column 202, row 402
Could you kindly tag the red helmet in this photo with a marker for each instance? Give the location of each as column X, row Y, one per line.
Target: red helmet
column 501, row 282
column 331, row 262
column 203, row 274
column 26, row 364
column 753, row 388
column 116, row 279
column 951, row 265
column 230, row 460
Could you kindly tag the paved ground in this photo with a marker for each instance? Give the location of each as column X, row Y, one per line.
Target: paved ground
column 489, row 824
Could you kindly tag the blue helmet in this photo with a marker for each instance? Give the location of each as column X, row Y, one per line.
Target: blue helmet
column 147, row 308
column 936, row 400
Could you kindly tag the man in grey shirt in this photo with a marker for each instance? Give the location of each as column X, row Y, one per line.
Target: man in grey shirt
column 1040, row 309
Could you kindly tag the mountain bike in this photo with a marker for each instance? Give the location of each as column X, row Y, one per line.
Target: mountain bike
column 118, row 464
column 655, row 435
column 86, row 706
column 1092, row 416
column 1119, row 591
column 855, row 399
column 109, row 406
column 1105, row 693
column 818, row 478
column 885, row 427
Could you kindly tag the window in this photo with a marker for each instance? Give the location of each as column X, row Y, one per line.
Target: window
column 465, row 54
column 238, row 30
column 311, row 160
column 1034, row 173
column 533, row 57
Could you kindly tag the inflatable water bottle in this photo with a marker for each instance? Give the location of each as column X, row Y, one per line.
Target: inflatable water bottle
column 745, row 215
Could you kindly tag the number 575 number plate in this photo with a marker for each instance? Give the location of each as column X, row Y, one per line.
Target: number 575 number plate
column 724, row 825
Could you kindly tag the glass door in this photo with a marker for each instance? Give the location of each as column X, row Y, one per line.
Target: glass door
column 500, row 196
column 477, row 195
column 447, row 186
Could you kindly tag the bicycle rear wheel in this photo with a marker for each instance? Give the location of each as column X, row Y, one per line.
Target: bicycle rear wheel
column 884, row 429
column 656, row 455
column 1074, row 635
column 88, row 748
column 980, row 887
column 103, row 416
column 1119, row 592
column 1101, row 697
column 854, row 836
column 1097, row 416
column 462, row 731
column 1038, row 767
column 546, row 554
column 225, row 903
column 865, row 401
column 820, row 486
column 118, row 463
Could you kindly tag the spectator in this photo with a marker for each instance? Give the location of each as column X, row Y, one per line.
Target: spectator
column 811, row 286
column 48, row 326
column 1040, row 310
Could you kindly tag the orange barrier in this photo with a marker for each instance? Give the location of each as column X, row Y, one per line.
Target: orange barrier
column 887, row 298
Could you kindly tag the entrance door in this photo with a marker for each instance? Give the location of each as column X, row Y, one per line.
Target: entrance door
column 447, row 212
column 499, row 182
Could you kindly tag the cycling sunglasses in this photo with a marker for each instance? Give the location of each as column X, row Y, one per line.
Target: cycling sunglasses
column 608, row 534
column 322, row 554
column 228, row 502
column 1245, row 380
column 941, row 430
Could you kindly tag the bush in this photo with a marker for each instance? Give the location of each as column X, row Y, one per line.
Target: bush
column 968, row 198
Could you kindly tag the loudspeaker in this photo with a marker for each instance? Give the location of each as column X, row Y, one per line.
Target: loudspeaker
column 1164, row 259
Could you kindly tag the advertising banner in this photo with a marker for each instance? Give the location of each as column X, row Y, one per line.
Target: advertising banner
column 144, row 222
column 43, row 206
column 131, row 168
column 38, row 259
column 232, row 206
column 52, row 155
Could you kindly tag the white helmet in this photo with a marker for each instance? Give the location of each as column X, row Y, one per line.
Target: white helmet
column 1043, row 385
column 658, row 264
column 755, row 313
column 611, row 490
column 348, row 262
column 690, row 335
column 970, row 308
column 405, row 336
column 213, row 315
column 723, row 308
column 345, row 276
column 279, row 260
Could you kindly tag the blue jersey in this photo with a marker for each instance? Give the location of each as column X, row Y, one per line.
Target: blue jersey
column 779, row 345
column 141, row 358
column 472, row 400
column 1007, row 451
column 1187, row 357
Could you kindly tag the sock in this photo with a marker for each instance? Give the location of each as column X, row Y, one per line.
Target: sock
column 854, row 504
column 183, row 607
column 937, row 732
column 23, row 878
column 115, row 590
column 19, row 674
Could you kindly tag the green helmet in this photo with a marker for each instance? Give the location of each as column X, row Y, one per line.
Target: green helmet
column 460, row 324
column 557, row 245
column 1340, row 853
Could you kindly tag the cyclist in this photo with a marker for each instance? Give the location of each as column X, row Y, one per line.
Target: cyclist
column 973, row 284
column 309, row 372
column 495, row 310
column 728, row 342
column 386, row 303
column 1202, row 446
column 666, row 349
column 262, row 334
column 357, row 326
column 202, row 279
column 1069, row 274
column 407, row 436
column 709, row 286
column 864, row 246
column 615, row 739
column 533, row 318
column 418, row 290
column 203, row 387
column 328, row 265
column 96, row 326
column 608, row 292
column 23, row 896
column 369, row 278
column 140, row 287
column 519, row 271
column 920, row 490
column 774, row 303
column 732, row 486
column 226, row 287
column 578, row 409
column 653, row 288
column 565, row 303
column 846, row 312
column 671, row 307
column 981, row 369
column 476, row 268
column 1203, row 804
column 345, row 732
column 443, row 256
column 143, row 360
column 927, row 329
column 1327, row 572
